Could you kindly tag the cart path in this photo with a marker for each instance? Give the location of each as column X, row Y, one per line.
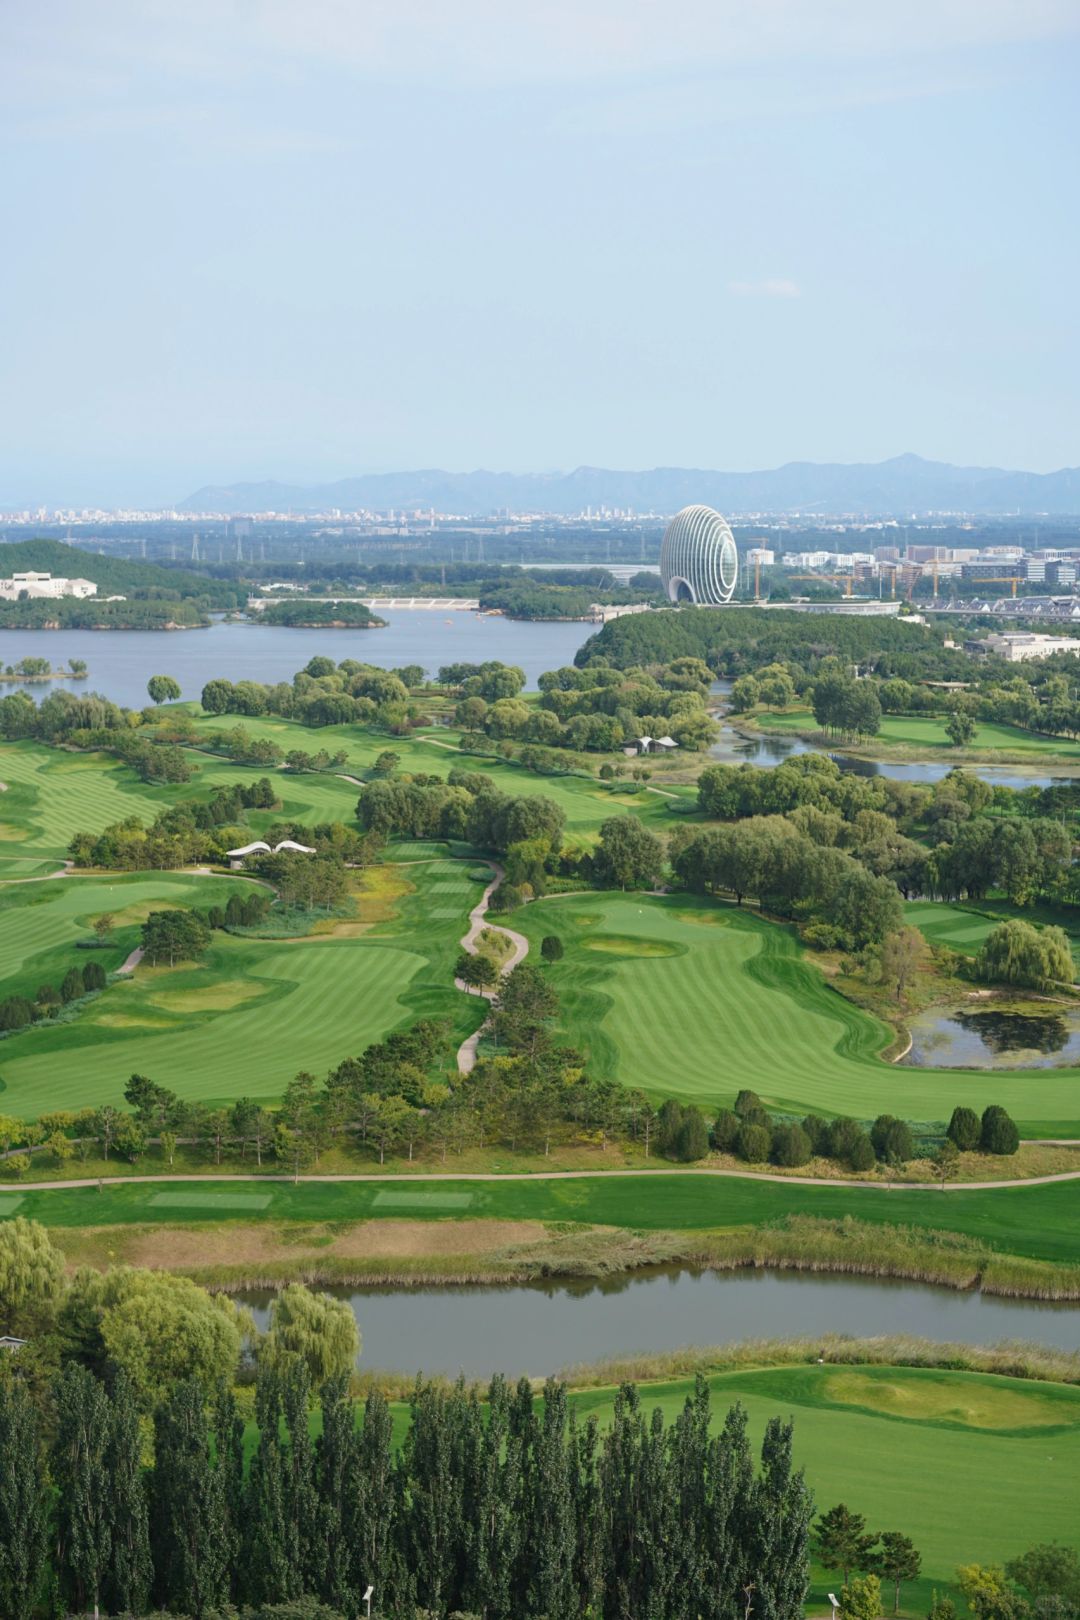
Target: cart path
column 400, row 1179
column 466, row 1055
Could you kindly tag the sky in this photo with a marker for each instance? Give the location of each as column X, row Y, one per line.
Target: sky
column 303, row 239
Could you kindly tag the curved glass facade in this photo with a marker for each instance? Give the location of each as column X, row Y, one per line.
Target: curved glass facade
column 698, row 559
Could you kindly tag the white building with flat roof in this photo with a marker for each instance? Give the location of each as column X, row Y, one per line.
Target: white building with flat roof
column 36, row 586
column 1018, row 646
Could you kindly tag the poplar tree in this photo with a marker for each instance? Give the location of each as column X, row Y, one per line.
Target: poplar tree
column 783, row 1509
column 337, row 1484
column 229, row 1454
column 80, row 1474
column 301, row 1497
column 23, row 1522
column 548, row 1510
column 377, row 1485
column 269, row 1560
column 131, row 1571
column 189, row 1530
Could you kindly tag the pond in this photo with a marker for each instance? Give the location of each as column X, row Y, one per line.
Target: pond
column 541, row 1328
column 122, row 661
column 767, row 750
column 995, row 1037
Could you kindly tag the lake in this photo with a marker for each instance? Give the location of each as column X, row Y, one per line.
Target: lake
column 122, row 661
column 541, row 1328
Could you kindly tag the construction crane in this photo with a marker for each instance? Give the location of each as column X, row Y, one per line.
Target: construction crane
column 830, row 579
column 993, row 579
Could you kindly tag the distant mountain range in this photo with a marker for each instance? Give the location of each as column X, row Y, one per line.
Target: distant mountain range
column 905, row 485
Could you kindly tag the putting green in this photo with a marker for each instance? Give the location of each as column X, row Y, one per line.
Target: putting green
column 731, row 1001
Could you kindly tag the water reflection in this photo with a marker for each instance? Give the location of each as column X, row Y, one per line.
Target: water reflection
column 541, row 1328
column 768, row 750
column 1003, row 1037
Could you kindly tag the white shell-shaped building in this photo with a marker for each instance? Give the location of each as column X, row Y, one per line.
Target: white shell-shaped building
column 698, row 559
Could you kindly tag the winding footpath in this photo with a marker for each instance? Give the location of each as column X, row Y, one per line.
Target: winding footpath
column 466, row 1056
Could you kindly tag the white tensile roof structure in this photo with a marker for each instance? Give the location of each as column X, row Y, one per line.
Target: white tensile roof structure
column 261, row 848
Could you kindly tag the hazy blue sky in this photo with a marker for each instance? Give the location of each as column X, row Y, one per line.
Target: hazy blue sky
column 304, row 238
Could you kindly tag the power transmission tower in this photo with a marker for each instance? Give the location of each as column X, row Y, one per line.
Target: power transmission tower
column 195, row 548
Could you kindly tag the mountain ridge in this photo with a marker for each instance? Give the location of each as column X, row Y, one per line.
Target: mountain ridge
column 903, row 485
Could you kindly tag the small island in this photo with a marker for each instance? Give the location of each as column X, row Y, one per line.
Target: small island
column 40, row 669
column 300, row 613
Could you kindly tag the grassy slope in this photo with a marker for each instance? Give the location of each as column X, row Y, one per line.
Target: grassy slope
column 734, row 1003
column 1040, row 1222
column 928, row 731
column 254, row 1013
column 964, row 927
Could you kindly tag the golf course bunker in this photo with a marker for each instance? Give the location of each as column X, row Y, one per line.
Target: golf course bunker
column 420, row 1198
column 976, row 1404
column 627, row 945
column 210, row 1200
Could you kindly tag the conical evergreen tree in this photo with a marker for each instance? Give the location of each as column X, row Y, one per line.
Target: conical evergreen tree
column 131, row 1571
column 83, row 1418
column 23, row 1520
column 188, row 1520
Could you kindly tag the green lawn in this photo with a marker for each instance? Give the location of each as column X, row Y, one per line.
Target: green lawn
column 963, row 927
column 973, row 1468
column 249, row 1017
column 1036, row 1222
column 696, row 999
column 928, row 731
column 41, row 923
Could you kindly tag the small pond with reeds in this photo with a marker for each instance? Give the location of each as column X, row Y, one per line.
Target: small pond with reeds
column 540, row 1328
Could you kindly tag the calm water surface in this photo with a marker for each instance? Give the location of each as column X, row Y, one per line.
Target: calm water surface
column 733, row 749
column 122, row 661
column 994, row 1038
column 542, row 1328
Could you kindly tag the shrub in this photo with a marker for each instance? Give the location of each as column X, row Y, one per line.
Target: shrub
column 93, row 976
column 891, row 1139
column 817, row 1131
column 790, row 1146
column 860, row 1154
column 551, row 948
column 747, row 1100
column 15, row 1013
column 725, row 1130
column 964, row 1129
column 72, row 987
column 998, row 1133
column 753, row 1143
column 692, row 1137
column 668, row 1123
column 842, row 1134
column 757, row 1116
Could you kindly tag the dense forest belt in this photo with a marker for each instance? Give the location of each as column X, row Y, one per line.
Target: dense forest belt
column 1024, row 1242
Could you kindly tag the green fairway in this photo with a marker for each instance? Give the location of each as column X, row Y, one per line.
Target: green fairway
column 252, row 1014
column 974, row 1468
column 41, row 923
column 1036, row 1222
column 697, row 999
column 928, row 731
column 963, row 927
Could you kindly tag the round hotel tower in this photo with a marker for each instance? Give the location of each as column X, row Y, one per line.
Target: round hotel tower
column 698, row 559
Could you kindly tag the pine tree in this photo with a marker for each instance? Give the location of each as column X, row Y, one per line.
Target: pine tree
column 80, row 1473
column 189, row 1531
column 23, row 1522
column 131, row 1571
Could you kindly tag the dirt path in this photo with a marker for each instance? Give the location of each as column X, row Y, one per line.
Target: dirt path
column 466, row 1056
column 132, row 962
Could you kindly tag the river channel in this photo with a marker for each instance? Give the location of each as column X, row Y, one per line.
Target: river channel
column 543, row 1327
